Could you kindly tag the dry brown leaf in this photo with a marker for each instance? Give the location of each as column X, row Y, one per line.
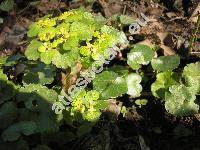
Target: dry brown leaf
column 111, row 8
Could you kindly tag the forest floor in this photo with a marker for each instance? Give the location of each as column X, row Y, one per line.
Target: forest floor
column 171, row 26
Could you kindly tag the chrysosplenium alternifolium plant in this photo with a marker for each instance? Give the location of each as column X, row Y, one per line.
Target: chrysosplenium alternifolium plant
column 74, row 36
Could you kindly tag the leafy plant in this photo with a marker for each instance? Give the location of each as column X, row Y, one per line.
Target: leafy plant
column 113, row 84
column 39, row 73
column 179, row 98
column 88, row 105
column 6, row 5
column 191, row 74
column 139, row 55
column 74, row 36
column 165, row 63
column 163, row 81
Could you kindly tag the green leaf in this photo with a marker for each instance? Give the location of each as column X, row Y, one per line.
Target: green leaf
column 39, row 74
column 43, row 96
column 141, row 102
column 103, row 80
column 6, row 5
column 110, row 84
column 48, row 56
column 71, row 43
column 163, row 81
column 34, row 29
column 40, row 99
column 120, row 70
column 139, row 55
column 133, row 83
column 3, row 60
column 126, row 20
column 1, row 20
column 116, row 88
column 32, row 50
column 179, row 101
column 85, row 32
column 7, row 89
column 13, row 60
column 8, row 112
column 191, row 73
column 83, row 129
column 165, row 63
column 101, row 104
column 13, row 132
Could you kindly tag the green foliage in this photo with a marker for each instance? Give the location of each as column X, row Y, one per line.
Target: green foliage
column 74, row 36
column 179, row 98
column 191, row 74
column 124, row 111
column 14, row 131
column 179, row 101
column 141, row 102
column 165, row 63
column 39, row 99
column 163, row 81
column 126, row 20
column 110, row 84
column 139, row 55
column 88, row 105
column 8, row 113
column 13, row 60
column 7, row 88
column 113, row 84
column 6, row 5
column 133, row 82
column 39, row 73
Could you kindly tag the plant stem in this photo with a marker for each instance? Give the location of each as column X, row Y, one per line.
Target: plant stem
column 194, row 35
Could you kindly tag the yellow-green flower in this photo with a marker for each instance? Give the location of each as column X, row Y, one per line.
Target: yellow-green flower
column 47, row 34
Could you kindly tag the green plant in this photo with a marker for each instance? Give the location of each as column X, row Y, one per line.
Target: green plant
column 74, row 36
column 29, row 89
column 88, row 105
column 179, row 97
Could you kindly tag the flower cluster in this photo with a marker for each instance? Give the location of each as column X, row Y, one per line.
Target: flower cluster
column 86, row 104
column 74, row 36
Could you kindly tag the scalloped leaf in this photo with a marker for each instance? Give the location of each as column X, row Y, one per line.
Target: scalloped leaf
column 7, row 88
column 116, row 88
column 32, row 50
column 35, row 93
column 139, row 55
column 165, row 63
column 110, row 84
column 163, row 81
column 179, row 101
column 191, row 73
column 40, row 99
column 39, row 73
column 8, row 112
column 126, row 20
column 13, row 132
column 133, row 82
column 6, row 5
column 13, row 60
